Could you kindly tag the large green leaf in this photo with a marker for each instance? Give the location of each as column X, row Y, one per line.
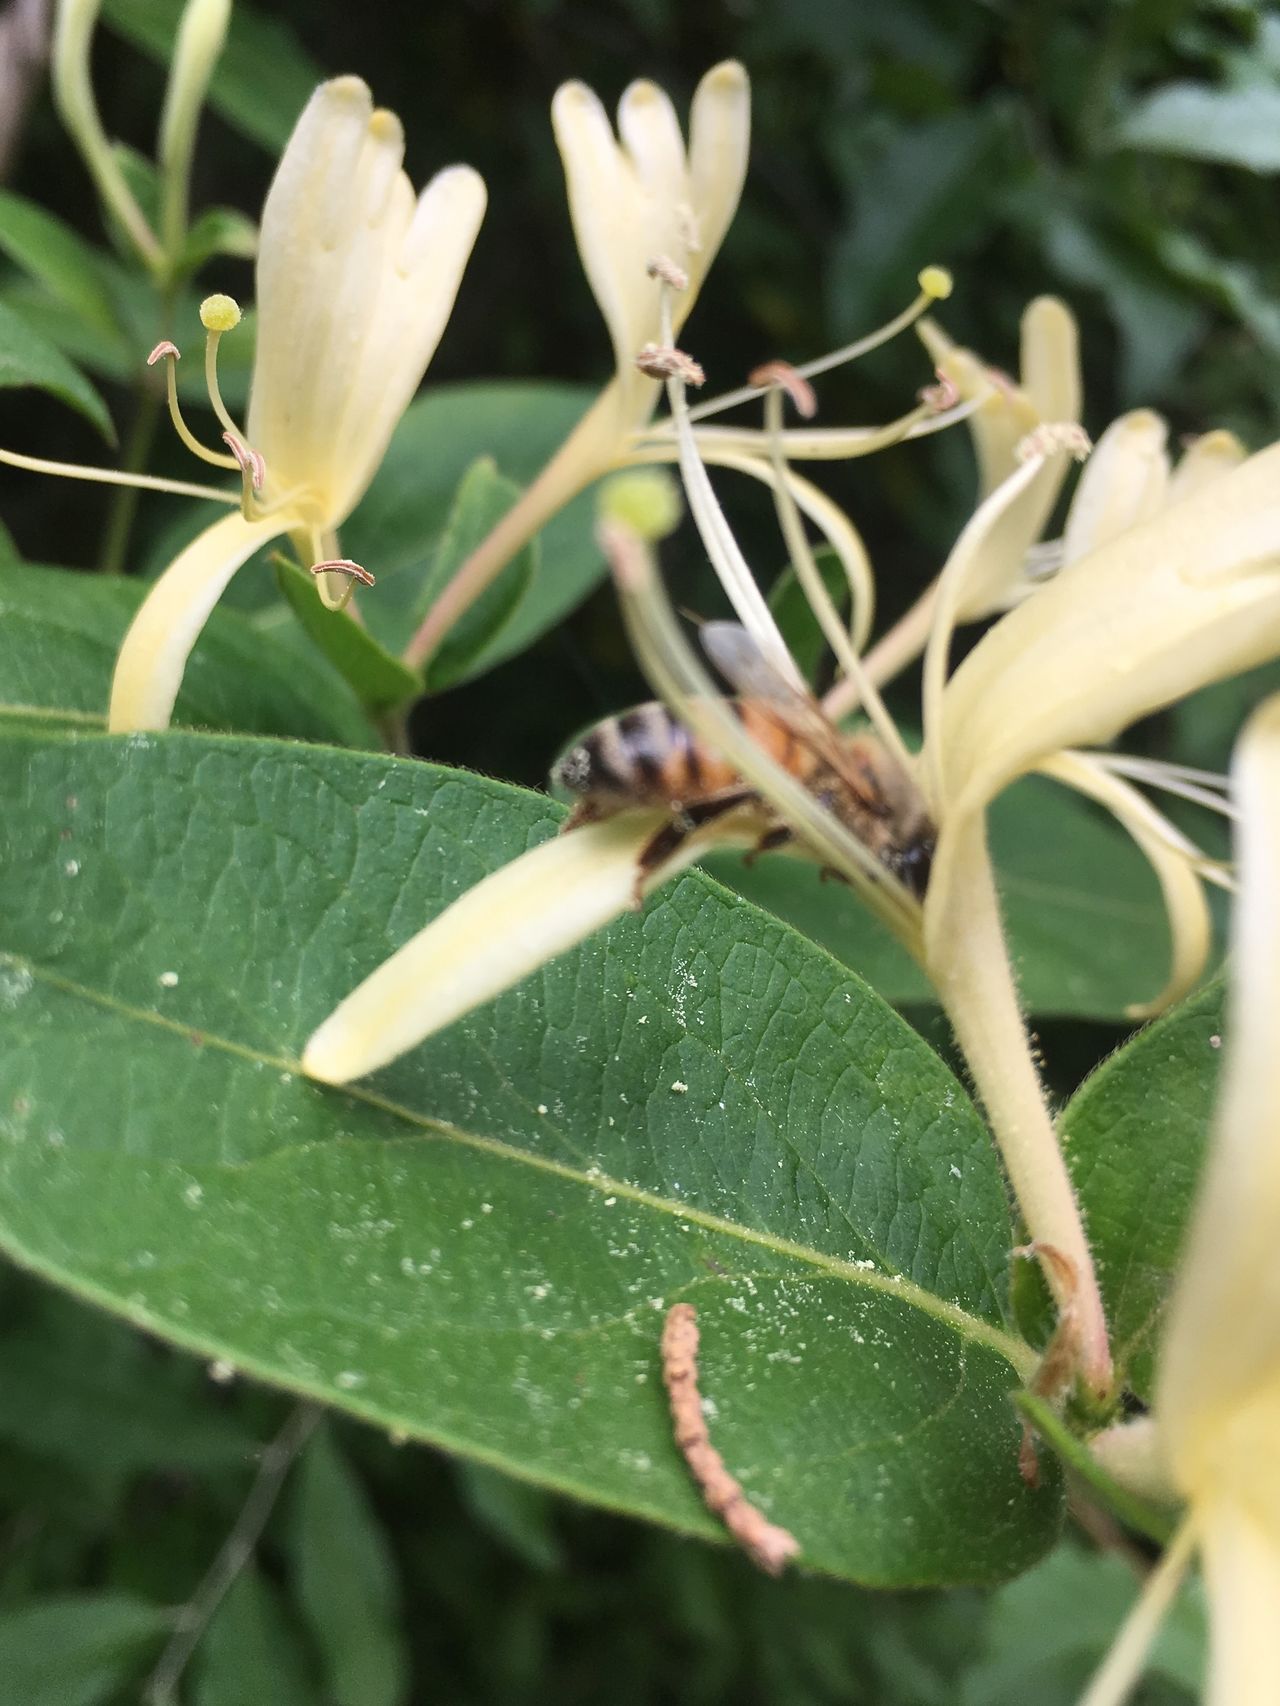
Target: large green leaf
column 402, row 522
column 1134, row 1135
column 477, row 1247
column 27, row 358
column 60, row 633
column 1084, row 914
column 1239, row 126
column 252, row 1650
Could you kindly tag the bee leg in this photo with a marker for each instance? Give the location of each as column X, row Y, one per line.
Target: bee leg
column 667, row 840
column 584, row 811
column 769, row 842
column 657, row 850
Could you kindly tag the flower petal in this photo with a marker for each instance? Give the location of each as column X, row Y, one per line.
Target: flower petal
column 154, row 654
column 1125, row 481
column 1242, row 1574
column 1172, row 860
column 1208, row 458
column 633, row 202
column 528, row 912
column 1187, row 598
column 1222, row 1344
column 355, row 285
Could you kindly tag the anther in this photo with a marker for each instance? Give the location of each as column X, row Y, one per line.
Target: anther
column 344, row 566
column 942, row 396
column 1054, row 435
column 664, row 361
column 935, row 282
column 219, row 313
column 663, row 267
column 788, row 379
column 251, row 461
column 162, row 349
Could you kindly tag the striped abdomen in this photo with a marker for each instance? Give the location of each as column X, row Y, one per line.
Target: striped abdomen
column 648, row 757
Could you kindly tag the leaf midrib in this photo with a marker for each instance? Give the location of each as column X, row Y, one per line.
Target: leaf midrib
column 968, row 1327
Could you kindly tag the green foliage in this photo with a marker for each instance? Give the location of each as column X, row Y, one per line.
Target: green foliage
column 1135, row 1133
column 28, row 359
column 847, row 1253
column 58, row 645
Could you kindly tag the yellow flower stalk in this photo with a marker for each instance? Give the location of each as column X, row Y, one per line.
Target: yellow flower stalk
column 637, row 199
column 1217, row 1403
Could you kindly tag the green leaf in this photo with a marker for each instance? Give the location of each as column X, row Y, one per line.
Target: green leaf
column 345, row 1581
column 61, row 631
column 1239, row 126
column 398, row 528
column 380, row 681
column 65, row 1364
column 76, row 1649
column 251, row 1651
column 1134, row 1135
column 1047, row 1633
column 219, row 231
column 50, row 251
column 1085, row 918
column 265, row 75
column 26, row 358
column 795, row 617
column 518, row 1515
column 482, row 499
column 1138, row 1513
column 477, row 1248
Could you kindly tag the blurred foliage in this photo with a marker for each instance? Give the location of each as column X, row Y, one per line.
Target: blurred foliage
column 1117, row 154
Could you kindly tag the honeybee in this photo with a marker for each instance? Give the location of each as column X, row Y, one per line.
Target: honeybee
column 647, row 757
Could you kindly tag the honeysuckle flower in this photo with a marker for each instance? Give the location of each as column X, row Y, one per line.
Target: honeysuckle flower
column 649, row 216
column 1212, row 1437
column 355, row 281
column 642, row 205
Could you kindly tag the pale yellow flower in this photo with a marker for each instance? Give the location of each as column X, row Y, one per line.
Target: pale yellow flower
column 636, row 198
column 1216, row 1435
column 355, row 282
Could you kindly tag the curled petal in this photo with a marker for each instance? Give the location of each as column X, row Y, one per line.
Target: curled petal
column 1125, row 481
column 528, row 912
column 1187, row 598
column 1007, row 413
column 1174, row 862
column 154, row 654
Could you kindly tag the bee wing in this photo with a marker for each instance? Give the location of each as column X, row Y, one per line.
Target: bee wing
column 751, row 675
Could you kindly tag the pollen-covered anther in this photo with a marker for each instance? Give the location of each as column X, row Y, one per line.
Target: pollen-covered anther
column 664, row 268
column 941, row 396
column 786, row 378
column 251, row 461
column 162, row 349
column 219, row 313
column 661, row 361
column 1055, row 435
column 344, row 566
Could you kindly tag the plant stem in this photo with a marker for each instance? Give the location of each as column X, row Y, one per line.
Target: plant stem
column 124, row 505
column 277, row 1460
column 968, row 961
